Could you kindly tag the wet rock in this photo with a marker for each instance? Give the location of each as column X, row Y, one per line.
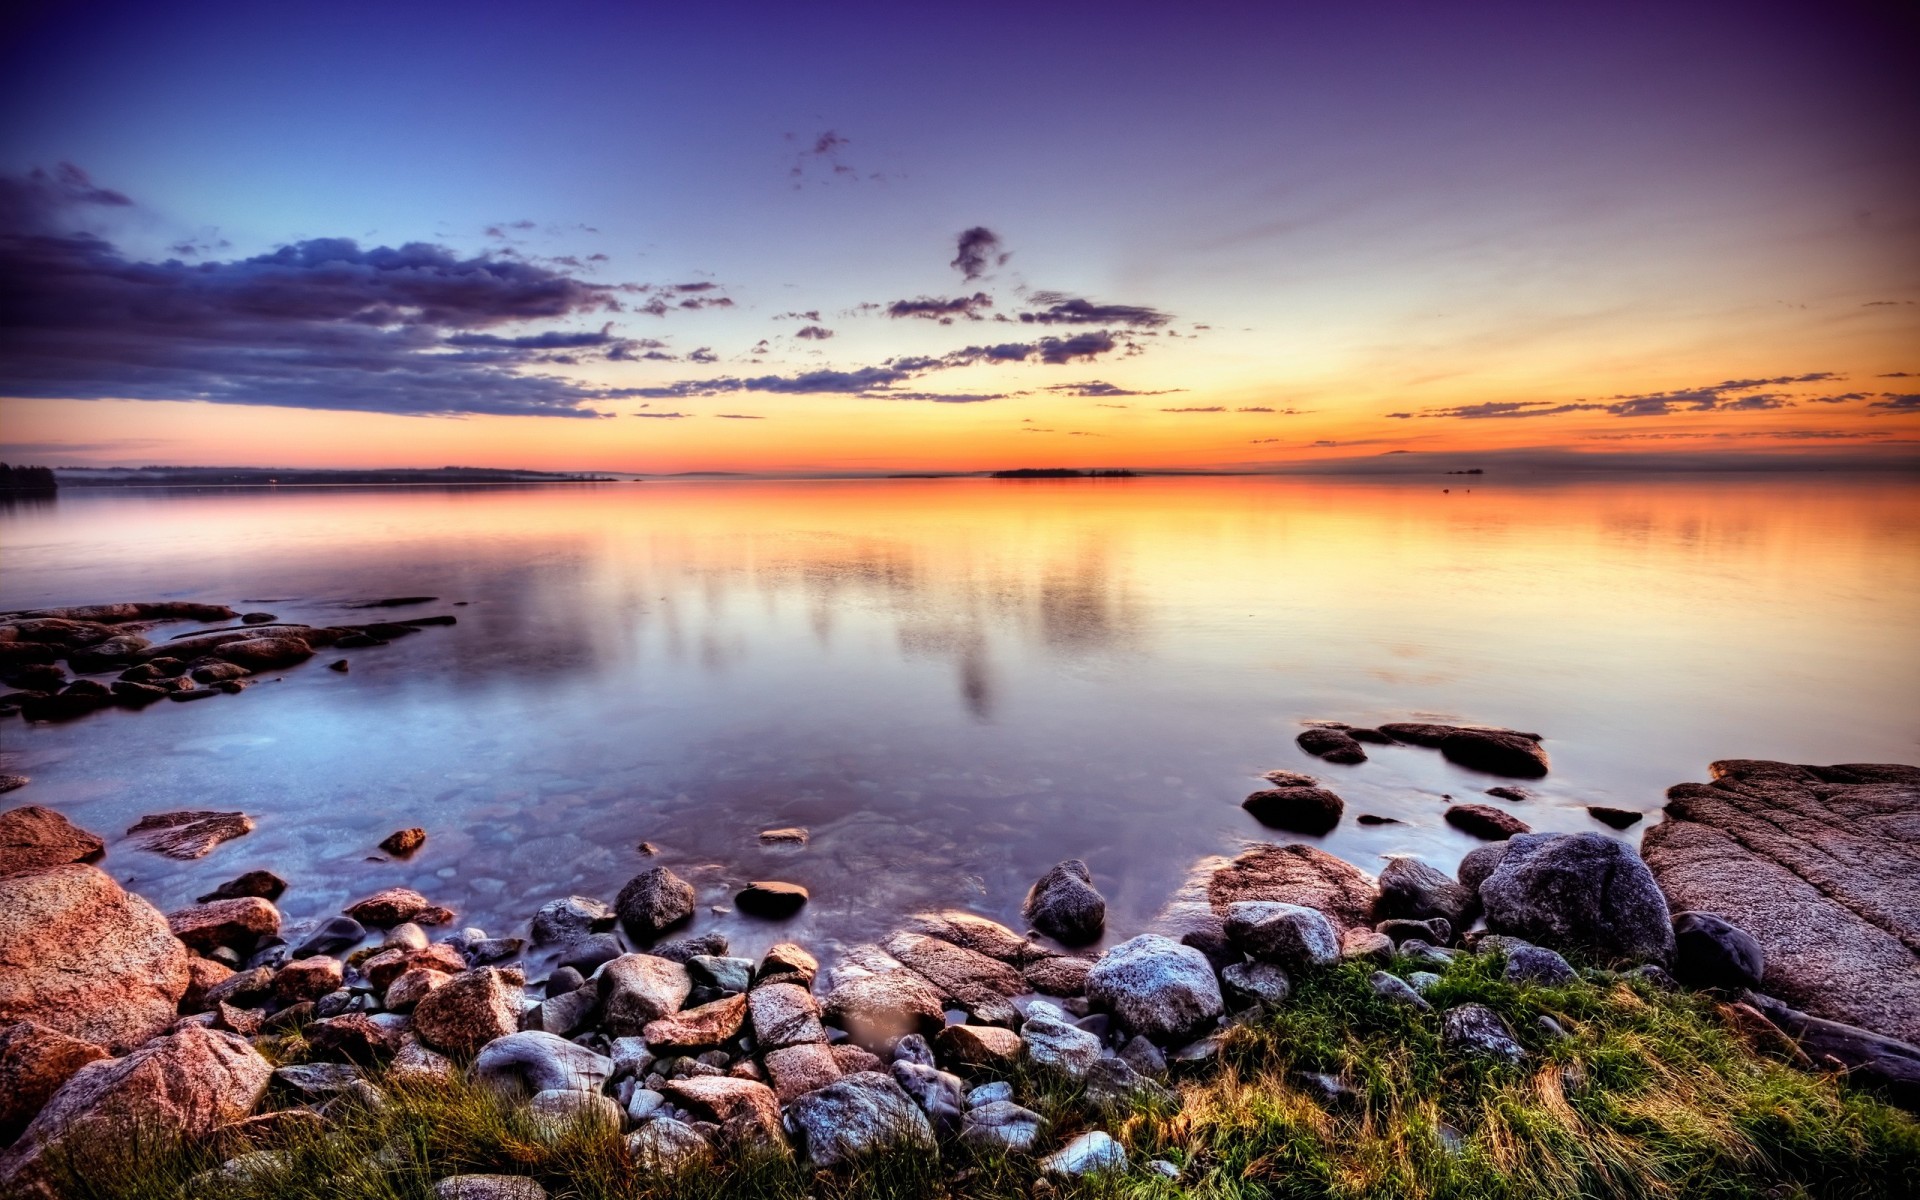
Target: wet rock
column 525, row 1063
column 1093, row 1153
column 187, row 835
column 681, row 950
column 35, row 1062
column 719, row 973
column 709, row 1025
column 1483, row 821
column 137, row 695
column 33, row 837
column 1064, row 904
column 264, row 884
column 470, row 1010
column 36, row 677
column 1581, row 890
column 976, row 983
column 977, row 1046
column 218, row 672
column 389, row 907
column 1496, row 751
column 1413, row 890
column 638, row 988
column 654, row 901
column 876, row 1010
column 264, row 653
column 80, row 955
column 1249, row 983
column 186, row 1084
column 306, row 979
column 1614, row 818
column 1536, row 964
column 1398, row 990
column 1156, row 987
column 786, row 963
column 857, row 1116
column 784, row 1014
column 563, row 922
column 116, row 651
column 1816, row 864
column 667, row 1146
column 1298, row 809
column 1476, row 1031
column 225, row 923
column 404, row 841
column 1515, row 794
column 1296, row 874
column 1292, row 936
column 1712, row 953
column 734, row 1103
column 771, row 900
column 1333, row 745
column 1058, row 975
column 1053, row 1044
column 1003, row 1126
column 938, row 1094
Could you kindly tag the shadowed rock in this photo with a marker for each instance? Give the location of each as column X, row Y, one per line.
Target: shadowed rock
column 1413, row 890
column 34, row 1062
column 653, row 901
column 1333, row 745
column 1484, row 821
column 1064, row 904
column 1709, row 952
column 1302, row 808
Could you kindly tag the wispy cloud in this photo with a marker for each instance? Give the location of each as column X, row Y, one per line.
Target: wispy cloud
column 1100, row 387
column 929, row 308
column 1715, row 397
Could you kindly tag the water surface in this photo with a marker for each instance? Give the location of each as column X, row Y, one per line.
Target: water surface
column 955, row 683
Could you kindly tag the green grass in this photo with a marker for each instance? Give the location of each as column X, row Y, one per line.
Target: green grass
column 1651, row 1095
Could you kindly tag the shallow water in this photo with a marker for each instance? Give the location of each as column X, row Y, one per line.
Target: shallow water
column 955, row 683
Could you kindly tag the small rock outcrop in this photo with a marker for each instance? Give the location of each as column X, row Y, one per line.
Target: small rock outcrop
column 1332, row 744
column 1486, row 821
column 1298, row 807
column 1064, row 904
column 654, row 901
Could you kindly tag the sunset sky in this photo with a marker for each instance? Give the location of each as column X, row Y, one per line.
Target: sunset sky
column 804, row 238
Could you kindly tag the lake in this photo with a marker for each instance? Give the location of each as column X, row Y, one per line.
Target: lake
column 954, row 683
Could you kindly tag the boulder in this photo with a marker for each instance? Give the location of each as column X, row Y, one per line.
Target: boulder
column 530, row 1062
column 410, row 987
column 785, row 962
column 1816, row 864
column 681, row 949
column 470, row 1010
column 966, row 978
column 1063, row 904
column 334, row 935
column 1485, row 821
column 1537, row 964
column 742, row 1105
column 709, row 1025
column 638, row 988
column 1309, row 810
column 1296, row 874
column 1003, row 1126
column 654, row 901
column 856, row 1116
column 772, row 900
column 1479, row 863
column 1412, row 890
column 1291, row 936
column 1249, row 983
column 264, row 884
column 34, row 1062
column 191, row 834
column 667, row 1146
column 1332, row 744
column 977, row 1046
column 1156, row 987
column 784, row 1014
column 876, row 1010
column 1053, row 1044
column 389, row 907
column 1579, row 890
column 237, row 923
column 939, row 1094
column 307, row 979
column 1092, row 1153
column 352, row 1037
column 1709, row 952
column 183, row 1085
column 405, row 841
column 83, row 957
column 798, row 1069
column 33, row 837
column 1496, row 751
column 563, row 922
column 1476, row 1031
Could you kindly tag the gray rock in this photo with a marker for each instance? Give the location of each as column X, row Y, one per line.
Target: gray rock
column 1163, row 1169
column 1002, row 1125
column 487, row 951
column 1053, row 1044
column 1392, row 987
column 855, row 1116
column 939, row 1095
column 1435, row 930
column 990, row 1093
column 1476, row 1031
column 564, row 1109
column 1092, row 1153
column 1423, row 981
column 1709, row 952
column 638, row 988
column 667, row 1145
column 1113, row 1083
column 1156, row 987
column 631, row 1058
column 531, row 1062
column 1248, row 983
column 644, row 1105
column 724, row 975
column 1414, row 890
column 1581, row 890
column 1063, row 904
column 1480, row 863
column 654, row 901
column 681, row 949
column 913, row 1048
column 1422, row 954
column 488, row 1187
column 1292, row 936
column 562, row 922
column 569, row 1012
column 334, row 935
column 585, row 953
column 316, row 1081
column 564, row 980
column 1536, row 964
column 784, row 1014
column 1144, row 1057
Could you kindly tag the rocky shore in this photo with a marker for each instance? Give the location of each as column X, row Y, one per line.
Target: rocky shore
column 1786, row 892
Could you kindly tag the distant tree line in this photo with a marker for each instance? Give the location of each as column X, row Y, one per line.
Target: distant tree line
column 26, row 479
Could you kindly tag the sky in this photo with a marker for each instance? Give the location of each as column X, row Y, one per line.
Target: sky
column 872, row 238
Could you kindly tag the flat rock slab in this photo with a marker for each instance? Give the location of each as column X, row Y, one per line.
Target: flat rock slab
column 1296, row 874
column 188, row 835
column 1822, row 866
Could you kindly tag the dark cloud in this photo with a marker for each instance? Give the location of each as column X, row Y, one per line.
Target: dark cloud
column 942, row 397
column 978, row 250
column 1909, row 402
column 814, row 333
column 704, row 354
column 1100, row 387
column 812, row 314
column 927, row 308
column 739, row 416
column 1896, row 375
column 323, row 323
column 664, row 416
column 820, row 158
column 1060, row 309
column 1715, row 397
column 1212, row 408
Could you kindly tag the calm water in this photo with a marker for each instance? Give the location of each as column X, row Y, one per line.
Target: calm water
column 955, row 683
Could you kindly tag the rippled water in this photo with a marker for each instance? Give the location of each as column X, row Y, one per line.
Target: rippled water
column 955, row 683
